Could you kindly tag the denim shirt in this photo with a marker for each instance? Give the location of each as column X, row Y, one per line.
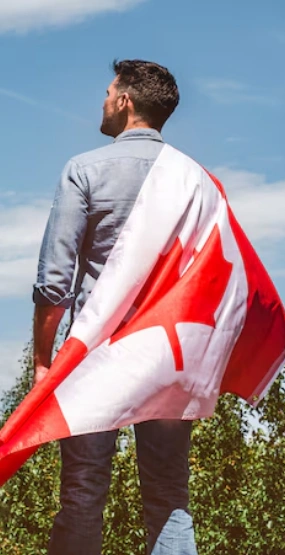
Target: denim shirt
column 94, row 197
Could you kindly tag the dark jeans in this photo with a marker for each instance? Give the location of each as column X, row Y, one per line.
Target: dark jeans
column 162, row 451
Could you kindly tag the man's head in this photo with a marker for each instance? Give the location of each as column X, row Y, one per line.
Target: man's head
column 143, row 94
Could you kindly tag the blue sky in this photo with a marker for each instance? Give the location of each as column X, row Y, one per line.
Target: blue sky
column 228, row 58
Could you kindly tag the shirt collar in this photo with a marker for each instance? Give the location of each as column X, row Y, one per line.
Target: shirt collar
column 140, row 133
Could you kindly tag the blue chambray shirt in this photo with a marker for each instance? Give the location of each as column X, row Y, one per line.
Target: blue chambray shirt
column 94, row 197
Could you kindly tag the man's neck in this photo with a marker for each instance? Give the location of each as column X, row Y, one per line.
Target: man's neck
column 136, row 124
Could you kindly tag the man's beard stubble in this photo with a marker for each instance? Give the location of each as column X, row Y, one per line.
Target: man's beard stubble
column 113, row 125
column 107, row 126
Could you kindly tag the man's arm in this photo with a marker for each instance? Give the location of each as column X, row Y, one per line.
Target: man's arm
column 46, row 322
column 61, row 244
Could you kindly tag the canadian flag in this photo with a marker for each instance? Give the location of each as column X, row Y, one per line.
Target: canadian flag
column 182, row 312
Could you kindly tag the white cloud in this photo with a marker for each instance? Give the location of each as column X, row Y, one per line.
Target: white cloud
column 7, row 194
column 21, row 231
column 41, row 105
column 10, row 366
column 235, row 139
column 257, row 203
column 227, row 91
column 259, row 207
column 278, row 272
column 17, row 277
column 24, row 15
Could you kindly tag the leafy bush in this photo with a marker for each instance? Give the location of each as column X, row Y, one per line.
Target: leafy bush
column 237, row 485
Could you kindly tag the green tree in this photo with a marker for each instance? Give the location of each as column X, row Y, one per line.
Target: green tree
column 266, row 475
column 237, row 485
column 30, row 500
column 217, row 460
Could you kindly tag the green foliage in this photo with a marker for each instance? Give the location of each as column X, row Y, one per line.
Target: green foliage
column 217, row 462
column 237, row 485
column 124, row 531
column 237, row 481
column 29, row 501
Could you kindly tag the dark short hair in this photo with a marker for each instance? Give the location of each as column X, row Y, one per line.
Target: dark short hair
column 152, row 89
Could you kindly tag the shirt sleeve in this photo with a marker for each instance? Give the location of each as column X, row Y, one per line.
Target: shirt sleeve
column 62, row 240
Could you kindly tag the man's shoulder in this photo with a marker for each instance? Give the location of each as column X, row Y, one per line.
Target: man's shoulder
column 166, row 154
column 96, row 155
column 120, row 149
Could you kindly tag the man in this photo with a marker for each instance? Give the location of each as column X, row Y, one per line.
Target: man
column 95, row 196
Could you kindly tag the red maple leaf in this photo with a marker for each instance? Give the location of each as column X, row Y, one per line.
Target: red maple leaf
column 168, row 298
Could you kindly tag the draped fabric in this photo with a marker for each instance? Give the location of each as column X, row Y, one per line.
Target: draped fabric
column 182, row 312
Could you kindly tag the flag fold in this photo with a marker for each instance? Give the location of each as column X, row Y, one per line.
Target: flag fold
column 182, row 312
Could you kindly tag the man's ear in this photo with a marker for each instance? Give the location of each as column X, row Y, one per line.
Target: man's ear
column 123, row 101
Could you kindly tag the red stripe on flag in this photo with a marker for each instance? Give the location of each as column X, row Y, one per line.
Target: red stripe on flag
column 12, row 462
column 70, row 355
column 45, row 424
column 262, row 339
column 217, row 183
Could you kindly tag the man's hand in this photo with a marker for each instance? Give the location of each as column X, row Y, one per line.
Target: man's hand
column 40, row 373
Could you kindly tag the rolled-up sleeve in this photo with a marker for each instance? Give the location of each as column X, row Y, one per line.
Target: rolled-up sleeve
column 62, row 240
